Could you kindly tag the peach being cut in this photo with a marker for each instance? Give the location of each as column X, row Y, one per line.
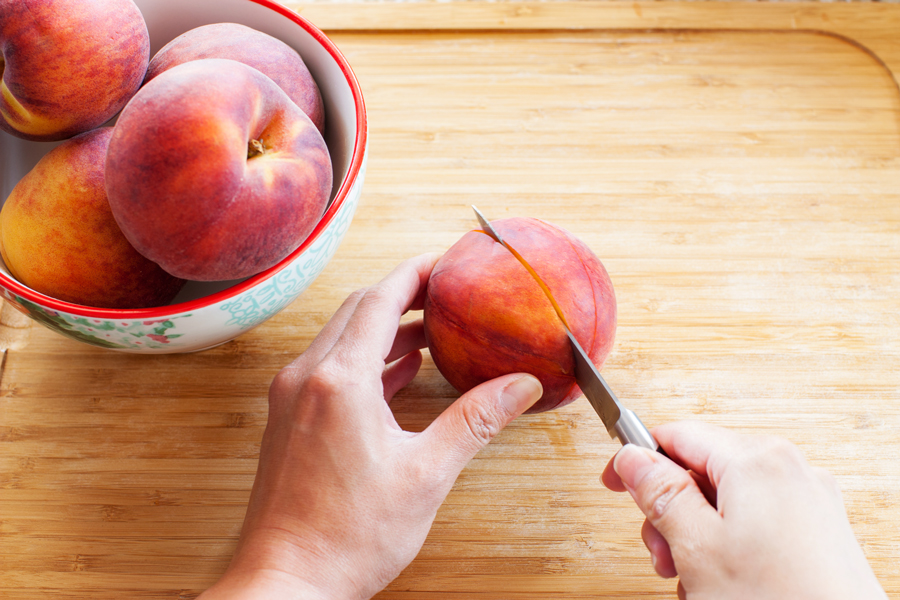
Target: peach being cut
column 59, row 236
column 486, row 315
column 259, row 50
column 214, row 173
column 68, row 65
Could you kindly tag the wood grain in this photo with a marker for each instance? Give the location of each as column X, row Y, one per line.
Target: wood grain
column 870, row 26
column 741, row 187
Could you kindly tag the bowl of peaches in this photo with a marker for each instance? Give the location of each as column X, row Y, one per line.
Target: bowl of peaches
column 173, row 173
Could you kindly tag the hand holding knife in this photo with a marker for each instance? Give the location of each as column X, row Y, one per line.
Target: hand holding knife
column 620, row 422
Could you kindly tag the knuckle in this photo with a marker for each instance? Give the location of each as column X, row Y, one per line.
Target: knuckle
column 826, row 476
column 356, row 296
column 383, row 297
column 769, row 457
column 661, row 494
column 282, row 388
column 377, row 294
column 829, row 481
column 481, row 423
column 323, row 381
column 295, row 391
column 776, row 451
column 282, row 382
column 779, row 446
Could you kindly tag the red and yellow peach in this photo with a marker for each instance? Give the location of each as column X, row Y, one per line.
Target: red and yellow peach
column 212, row 184
column 68, row 66
column 59, row 236
column 486, row 315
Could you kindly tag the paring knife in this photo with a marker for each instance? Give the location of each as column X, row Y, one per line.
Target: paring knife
column 620, row 422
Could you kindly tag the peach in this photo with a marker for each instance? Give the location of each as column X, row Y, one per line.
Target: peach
column 259, row 50
column 486, row 316
column 59, row 236
column 214, row 173
column 68, row 65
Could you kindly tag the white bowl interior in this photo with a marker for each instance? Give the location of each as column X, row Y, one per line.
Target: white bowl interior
column 166, row 19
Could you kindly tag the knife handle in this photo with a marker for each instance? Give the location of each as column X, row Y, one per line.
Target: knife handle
column 631, row 430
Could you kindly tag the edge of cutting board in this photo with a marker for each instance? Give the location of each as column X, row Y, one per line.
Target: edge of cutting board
column 872, row 27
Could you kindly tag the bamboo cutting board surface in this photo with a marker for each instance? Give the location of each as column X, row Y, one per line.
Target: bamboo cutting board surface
column 736, row 168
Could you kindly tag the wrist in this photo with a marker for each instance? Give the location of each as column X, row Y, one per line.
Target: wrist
column 261, row 585
column 272, row 565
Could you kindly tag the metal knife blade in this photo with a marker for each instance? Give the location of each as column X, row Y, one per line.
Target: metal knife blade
column 595, row 388
column 486, row 225
column 620, row 422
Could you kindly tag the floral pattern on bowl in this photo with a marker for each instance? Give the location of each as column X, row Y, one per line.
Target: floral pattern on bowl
column 117, row 335
column 213, row 324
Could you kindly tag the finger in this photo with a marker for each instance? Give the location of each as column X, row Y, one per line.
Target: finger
column 667, row 495
column 410, row 337
column 398, row 374
column 831, row 485
column 682, row 593
column 610, row 478
column 333, row 329
column 700, row 447
column 687, row 443
column 468, row 424
column 327, row 336
column 709, row 492
column 370, row 332
column 660, row 553
column 613, row 482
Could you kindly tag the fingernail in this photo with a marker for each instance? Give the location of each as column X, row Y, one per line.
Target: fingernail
column 632, row 463
column 519, row 395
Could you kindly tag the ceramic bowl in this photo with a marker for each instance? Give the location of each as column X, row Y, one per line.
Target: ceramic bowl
column 204, row 315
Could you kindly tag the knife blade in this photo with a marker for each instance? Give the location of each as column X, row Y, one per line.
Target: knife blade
column 620, row 422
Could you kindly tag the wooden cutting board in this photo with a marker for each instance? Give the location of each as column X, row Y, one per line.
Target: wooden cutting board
column 735, row 166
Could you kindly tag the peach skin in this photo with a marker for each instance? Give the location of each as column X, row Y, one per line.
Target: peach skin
column 486, row 316
column 68, row 65
column 267, row 54
column 214, row 173
column 60, row 239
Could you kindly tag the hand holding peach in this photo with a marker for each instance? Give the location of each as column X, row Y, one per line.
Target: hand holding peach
column 486, row 316
column 212, row 184
column 68, row 65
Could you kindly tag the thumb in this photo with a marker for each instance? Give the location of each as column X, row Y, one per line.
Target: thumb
column 468, row 424
column 668, row 496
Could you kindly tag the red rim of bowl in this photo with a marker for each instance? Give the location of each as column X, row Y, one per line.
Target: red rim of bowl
column 359, row 144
